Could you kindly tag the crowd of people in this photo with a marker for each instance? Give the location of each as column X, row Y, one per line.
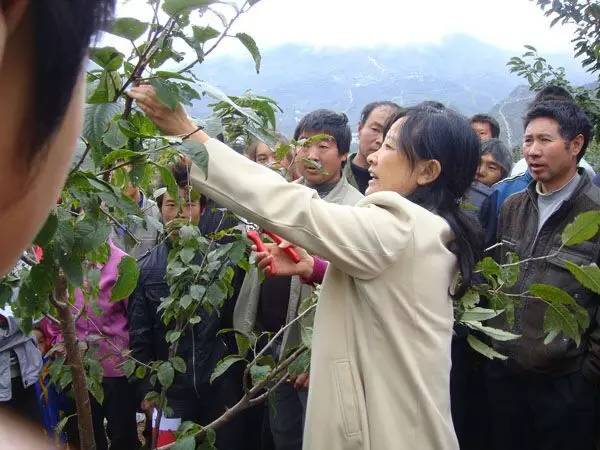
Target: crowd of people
column 392, row 233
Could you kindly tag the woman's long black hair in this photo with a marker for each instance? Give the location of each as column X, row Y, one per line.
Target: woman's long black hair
column 434, row 132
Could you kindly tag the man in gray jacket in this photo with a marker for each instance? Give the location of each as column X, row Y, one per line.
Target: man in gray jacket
column 274, row 303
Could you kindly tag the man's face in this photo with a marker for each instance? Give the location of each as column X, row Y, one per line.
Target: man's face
column 483, row 130
column 551, row 159
column 29, row 188
column 188, row 208
column 370, row 134
column 489, row 171
column 324, row 154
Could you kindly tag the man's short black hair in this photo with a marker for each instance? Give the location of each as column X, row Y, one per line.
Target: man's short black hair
column 367, row 110
column 552, row 92
column 571, row 119
column 63, row 30
column 328, row 122
column 486, row 118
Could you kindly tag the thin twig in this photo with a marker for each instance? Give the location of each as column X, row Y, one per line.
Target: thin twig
column 85, row 153
column 271, row 342
column 120, row 225
column 218, row 41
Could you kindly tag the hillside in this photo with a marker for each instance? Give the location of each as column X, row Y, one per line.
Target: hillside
column 461, row 72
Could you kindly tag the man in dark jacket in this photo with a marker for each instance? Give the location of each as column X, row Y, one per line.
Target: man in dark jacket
column 546, row 396
column 191, row 396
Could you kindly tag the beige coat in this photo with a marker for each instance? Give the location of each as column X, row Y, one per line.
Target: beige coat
column 380, row 368
column 246, row 307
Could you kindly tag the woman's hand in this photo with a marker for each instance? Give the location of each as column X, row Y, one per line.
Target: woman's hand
column 282, row 264
column 173, row 122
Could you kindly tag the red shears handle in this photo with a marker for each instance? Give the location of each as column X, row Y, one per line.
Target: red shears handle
column 290, row 251
column 256, row 240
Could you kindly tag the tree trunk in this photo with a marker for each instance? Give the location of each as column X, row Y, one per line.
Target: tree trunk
column 75, row 362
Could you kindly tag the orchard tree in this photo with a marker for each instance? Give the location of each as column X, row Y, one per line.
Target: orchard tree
column 120, row 146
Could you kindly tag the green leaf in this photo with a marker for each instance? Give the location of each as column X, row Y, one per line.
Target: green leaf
column 71, row 266
column 197, row 153
column 169, row 181
column 166, row 93
column 178, row 364
column 172, row 336
column 104, row 89
column 553, row 334
column 563, row 314
column 186, row 301
column 117, row 155
column 583, row 228
column 489, row 268
column 187, row 443
column 251, row 46
column 140, row 372
column 96, row 389
column 203, row 34
column 152, row 397
column 187, row 255
column 128, row 367
column 114, row 137
column 219, row 95
column 58, row 429
column 224, row 365
column 98, row 118
column 470, row 298
column 243, row 343
column 197, row 291
column 128, row 28
column 484, row 349
column 588, row 276
column 215, row 295
column 99, row 254
column 47, row 232
column 176, row 7
column 301, row 364
column 479, row 314
column 209, row 440
column 166, row 374
column 494, row 333
column 259, row 373
column 109, row 58
column 127, row 281
column 509, row 272
column 172, row 75
column 90, row 233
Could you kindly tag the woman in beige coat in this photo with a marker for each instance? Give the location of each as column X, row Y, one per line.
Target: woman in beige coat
column 381, row 345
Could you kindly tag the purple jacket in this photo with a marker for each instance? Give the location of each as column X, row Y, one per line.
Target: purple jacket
column 112, row 323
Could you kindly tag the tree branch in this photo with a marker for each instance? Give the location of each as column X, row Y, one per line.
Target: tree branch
column 218, row 41
column 85, row 153
column 120, row 225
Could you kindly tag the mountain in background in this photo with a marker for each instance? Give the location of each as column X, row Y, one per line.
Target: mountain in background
column 461, row 72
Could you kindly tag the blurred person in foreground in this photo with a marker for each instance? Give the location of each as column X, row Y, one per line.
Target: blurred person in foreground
column 40, row 120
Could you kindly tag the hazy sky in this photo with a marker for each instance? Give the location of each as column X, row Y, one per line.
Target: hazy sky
column 351, row 23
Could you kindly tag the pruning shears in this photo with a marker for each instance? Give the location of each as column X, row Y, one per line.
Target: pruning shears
column 253, row 233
